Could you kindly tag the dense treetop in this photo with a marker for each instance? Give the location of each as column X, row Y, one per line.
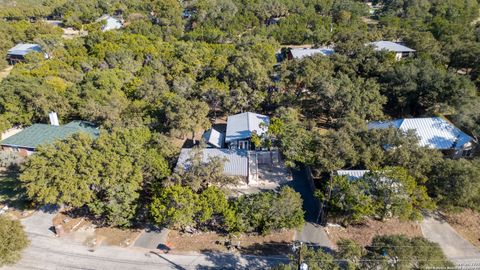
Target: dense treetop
column 177, row 66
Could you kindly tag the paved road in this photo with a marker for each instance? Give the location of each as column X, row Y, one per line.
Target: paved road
column 48, row 252
column 457, row 249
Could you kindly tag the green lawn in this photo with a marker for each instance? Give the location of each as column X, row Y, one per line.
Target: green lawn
column 10, row 191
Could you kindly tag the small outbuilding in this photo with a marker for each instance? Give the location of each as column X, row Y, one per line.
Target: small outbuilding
column 18, row 53
column 111, row 23
column 400, row 50
column 300, row 53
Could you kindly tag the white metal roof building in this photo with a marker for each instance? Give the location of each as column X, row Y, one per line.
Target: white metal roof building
column 241, row 126
column 352, row 174
column 433, row 132
column 299, row 53
column 112, row 23
column 236, row 159
column 22, row 49
column 390, row 46
column 214, row 137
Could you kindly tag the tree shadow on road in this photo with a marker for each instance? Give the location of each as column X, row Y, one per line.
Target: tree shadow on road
column 239, row 261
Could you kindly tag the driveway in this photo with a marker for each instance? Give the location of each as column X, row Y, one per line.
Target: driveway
column 457, row 249
column 301, row 185
column 311, row 233
column 152, row 238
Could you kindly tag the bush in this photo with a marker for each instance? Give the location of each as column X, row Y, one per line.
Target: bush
column 12, row 240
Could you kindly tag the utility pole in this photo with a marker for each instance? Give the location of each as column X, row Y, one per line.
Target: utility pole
column 301, row 264
column 300, row 258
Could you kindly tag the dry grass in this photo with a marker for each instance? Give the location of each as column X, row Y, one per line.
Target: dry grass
column 4, row 73
column 467, row 224
column 69, row 224
column 363, row 234
column 272, row 244
column 116, row 237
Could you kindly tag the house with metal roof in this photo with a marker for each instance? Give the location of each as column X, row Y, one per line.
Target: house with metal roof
column 400, row 50
column 241, row 127
column 111, row 23
column 26, row 141
column 435, row 133
column 236, row 160
column 352, row 174
column 300, row 53
column 18, row 53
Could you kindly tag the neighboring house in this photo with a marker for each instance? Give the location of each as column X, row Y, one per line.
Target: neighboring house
column 241, row 127
column 399, row 50
column 111, row 23
column 26, row 141
column 435, row 133
column 299, row 53
column 352, row 174
column 236, row 160
column 17, row 53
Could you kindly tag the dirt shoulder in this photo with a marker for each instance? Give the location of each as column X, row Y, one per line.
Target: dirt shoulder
column 363, row 234
column 275, row 243
column 467, row 224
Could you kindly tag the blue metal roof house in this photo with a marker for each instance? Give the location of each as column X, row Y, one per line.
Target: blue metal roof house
column 17, row 53
column 434, row 132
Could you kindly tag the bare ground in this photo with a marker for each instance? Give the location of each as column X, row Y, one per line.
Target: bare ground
column 116, row 237
column 4, row 73
column 275, row 243
column 467, row 224
column 363, row 234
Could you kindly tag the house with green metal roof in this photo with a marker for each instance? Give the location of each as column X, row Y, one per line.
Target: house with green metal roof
column 26, row 141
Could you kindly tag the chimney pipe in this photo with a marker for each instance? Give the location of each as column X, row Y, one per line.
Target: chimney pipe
column 53, row 119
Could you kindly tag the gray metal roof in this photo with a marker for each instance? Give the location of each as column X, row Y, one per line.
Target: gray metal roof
column 434, row 132
column 214, row 137
column 240, row 126
column 299, row 53
column 390, row 46
column 24, row 48
column 112, row 23
column 352, row 174
column 236, row 164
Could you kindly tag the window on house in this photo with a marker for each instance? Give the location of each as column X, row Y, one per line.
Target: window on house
column 243, row 145
column 467, row 153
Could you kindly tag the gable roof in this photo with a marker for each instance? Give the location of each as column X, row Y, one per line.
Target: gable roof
column 241, row 126
column 352, row 174
column 236, row 159
column 390, row 46
column 38, row 134
column 24, row 48
column 112, row 23
column 214, row 137
column 299, row 53
column 433, row 132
